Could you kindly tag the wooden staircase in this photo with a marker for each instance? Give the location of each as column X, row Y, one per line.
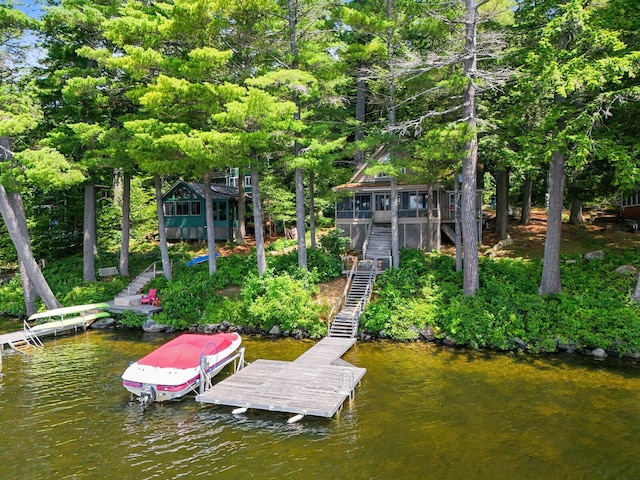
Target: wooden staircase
column 140, row 282
column 378, row 246
column 345, row 323
column 349, row 307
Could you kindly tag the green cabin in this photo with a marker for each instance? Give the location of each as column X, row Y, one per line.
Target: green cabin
column 185, row 215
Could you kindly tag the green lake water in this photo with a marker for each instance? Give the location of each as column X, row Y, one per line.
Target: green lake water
column 421, row 411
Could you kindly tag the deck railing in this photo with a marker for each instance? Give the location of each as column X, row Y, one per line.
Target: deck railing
column 339, row 303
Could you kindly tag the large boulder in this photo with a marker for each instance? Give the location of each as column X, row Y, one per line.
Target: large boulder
column 150, row 326
column 275, row 331
column 103, row 323
column 627, row 270
column 595, row 255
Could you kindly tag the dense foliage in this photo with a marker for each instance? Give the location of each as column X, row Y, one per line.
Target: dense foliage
column 593, row 311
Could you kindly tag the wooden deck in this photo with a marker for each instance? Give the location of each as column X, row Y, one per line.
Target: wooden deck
column 316, row 383
column 140, row 309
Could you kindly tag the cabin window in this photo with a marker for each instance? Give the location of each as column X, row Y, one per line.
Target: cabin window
column 383, row 202
column 195, row 208
column 182, row 209
column 362, row 202
column 220, row 212
column 169, row 209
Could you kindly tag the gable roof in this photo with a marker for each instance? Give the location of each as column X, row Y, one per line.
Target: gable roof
column 220, row 192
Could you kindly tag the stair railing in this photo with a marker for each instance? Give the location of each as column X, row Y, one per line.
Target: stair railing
column 30, row 336
column 151, row 268
column 339, row 303
column 367, row 234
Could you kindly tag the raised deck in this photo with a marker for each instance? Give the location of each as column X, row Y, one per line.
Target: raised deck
column 316, row 383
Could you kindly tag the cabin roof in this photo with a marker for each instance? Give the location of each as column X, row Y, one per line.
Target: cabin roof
column 220, row 192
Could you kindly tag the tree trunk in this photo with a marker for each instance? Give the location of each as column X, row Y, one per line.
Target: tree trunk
column 257, row 222
column 312, row 213
column 636, row 294
column 361, row 95
column 575, row 215
column 456, row 219
column 502, row 203
column 241, row 231
column 471, row 281
column 126, row 224
column 550, row 282
column 164, row 248
column 300, row 219
column 395, row 243
column 525, row 217
column 13, row 216
column 89, row 234
column 28, row 289
column 211, row 233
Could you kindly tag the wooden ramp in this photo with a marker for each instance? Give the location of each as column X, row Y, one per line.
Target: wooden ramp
column 316, row 383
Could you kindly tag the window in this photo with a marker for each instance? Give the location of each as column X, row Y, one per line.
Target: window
column 169, row 209
column 382, row 202
column 423, row 200
column 195, row 208
column 220, row 212
column 182, row 209
column 407, row 200
column 362, row 202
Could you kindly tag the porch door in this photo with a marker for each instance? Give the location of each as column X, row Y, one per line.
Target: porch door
column 382, row 212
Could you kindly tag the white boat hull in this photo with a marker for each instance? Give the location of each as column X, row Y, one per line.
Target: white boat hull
column 161, row 382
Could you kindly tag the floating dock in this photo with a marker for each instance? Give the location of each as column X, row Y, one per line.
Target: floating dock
column 316, row 383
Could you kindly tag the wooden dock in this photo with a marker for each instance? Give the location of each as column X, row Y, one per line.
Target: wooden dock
column 316, row 383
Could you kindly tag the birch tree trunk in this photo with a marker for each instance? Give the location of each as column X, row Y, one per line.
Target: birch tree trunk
column 89, row 234
column 257, row 222
column 211, row 234
column 164, row 249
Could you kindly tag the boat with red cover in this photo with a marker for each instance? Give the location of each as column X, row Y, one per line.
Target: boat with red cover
column 182, row 365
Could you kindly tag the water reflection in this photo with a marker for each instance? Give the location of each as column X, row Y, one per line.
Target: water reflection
column 420, row 412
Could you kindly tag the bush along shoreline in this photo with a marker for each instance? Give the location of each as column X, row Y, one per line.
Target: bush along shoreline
column 421, row 300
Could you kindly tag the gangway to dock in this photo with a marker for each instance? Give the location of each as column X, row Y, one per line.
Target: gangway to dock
column 317, row 383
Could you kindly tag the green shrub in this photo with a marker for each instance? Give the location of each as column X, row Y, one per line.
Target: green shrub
column 593, row 310
column 219, row 309
column 130, row 319
column 334, row 242
column 280, row 300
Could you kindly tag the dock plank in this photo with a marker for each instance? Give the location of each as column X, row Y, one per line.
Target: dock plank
column 311, row 384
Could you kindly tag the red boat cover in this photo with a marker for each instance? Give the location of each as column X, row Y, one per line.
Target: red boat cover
column 184, row 351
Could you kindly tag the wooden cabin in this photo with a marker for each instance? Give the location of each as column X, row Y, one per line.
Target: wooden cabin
column 185, row 216
column 425, row 212
column 630, row 206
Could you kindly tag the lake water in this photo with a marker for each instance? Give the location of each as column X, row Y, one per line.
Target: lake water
column 421, row 411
